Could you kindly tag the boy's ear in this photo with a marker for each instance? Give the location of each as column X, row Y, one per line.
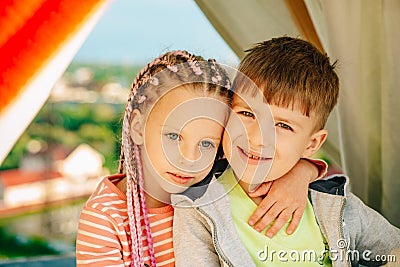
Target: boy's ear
column 136, row 128
column 316, row 141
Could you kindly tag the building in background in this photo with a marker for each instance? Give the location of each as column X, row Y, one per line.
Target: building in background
column 31, row 188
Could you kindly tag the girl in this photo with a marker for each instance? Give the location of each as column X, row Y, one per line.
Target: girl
column 172, row 127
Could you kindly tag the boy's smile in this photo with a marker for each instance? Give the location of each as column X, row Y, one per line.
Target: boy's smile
column 252, row 158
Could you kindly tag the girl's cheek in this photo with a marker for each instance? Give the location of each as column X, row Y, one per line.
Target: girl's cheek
column 170, row 151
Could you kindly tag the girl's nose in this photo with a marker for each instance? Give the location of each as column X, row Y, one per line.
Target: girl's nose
column 189, row 154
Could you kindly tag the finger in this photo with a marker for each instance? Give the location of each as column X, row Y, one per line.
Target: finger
column 268, row 218
column 262, row 190
column 262, row 209
column 283, row 218
column 295, row 221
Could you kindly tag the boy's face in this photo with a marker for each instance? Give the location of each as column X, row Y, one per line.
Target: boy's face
column 262, row 147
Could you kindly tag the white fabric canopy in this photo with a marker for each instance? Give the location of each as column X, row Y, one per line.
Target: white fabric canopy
column 362, row 35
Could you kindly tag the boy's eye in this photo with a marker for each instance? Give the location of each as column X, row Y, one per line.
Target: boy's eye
column 207, row 144
column 284, row 126
column 246, row 114
column 173, row 136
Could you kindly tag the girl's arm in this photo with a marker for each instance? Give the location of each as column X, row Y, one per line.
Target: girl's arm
column 286, row 197
column 97, row 243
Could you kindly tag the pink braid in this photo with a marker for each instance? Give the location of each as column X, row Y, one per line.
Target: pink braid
column 134, row 239
column 121, row 161
column 133, row 212
column 140, row 79
column 144, row 208
column 136, row 205
column 138, row 226
column 134, row 223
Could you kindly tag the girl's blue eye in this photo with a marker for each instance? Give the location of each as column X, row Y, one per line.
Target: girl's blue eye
column 207, row 144
column 246, row 114
column 173, row 136
column 284, row 126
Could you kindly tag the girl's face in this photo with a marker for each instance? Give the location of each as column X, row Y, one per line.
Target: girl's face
column 180, row 138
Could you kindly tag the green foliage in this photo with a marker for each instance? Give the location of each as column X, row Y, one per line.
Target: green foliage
column 102, row 73
column 12, row 246
column 13, row 158
column 71, row 124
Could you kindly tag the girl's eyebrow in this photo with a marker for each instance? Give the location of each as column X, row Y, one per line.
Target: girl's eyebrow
column 169, row 127
column 214, row 138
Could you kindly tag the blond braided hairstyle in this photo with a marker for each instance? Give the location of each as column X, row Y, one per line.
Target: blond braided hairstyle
column 165, row 72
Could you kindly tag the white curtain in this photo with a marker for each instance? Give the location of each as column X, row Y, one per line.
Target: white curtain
column 363, row 36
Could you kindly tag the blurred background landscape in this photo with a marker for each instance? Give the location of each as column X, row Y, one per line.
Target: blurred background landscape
column 74, row 140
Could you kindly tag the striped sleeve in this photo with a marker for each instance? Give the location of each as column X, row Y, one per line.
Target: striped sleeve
column 99, row 240
column 103, row 229
column 103, row 232
column 321, row 165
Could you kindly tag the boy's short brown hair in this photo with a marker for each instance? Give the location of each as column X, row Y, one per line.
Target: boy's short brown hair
column 292, row 72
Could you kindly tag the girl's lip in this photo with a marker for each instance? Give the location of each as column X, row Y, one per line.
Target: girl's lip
column 251, row 158
column 180, row 179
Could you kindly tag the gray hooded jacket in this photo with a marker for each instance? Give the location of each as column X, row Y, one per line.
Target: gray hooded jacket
column 205, row 235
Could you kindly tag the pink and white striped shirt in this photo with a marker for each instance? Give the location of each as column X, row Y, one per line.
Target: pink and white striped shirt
column 104, row 234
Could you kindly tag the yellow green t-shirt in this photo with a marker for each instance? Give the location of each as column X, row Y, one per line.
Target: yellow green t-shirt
column 305, row 247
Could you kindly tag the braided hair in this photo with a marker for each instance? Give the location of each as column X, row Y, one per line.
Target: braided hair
column 166, row 71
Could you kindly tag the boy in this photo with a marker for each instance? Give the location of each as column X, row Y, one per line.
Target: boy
column 300, row 88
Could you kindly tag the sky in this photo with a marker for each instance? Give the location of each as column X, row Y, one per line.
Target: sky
column 135, row 32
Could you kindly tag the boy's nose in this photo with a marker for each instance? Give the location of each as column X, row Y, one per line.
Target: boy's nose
column 261, row 136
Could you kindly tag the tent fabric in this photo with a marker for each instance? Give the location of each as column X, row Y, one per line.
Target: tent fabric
column 362, row 36
column 241, row 24
column 37, row 42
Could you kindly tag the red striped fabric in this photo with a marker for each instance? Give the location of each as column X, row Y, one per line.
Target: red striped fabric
column 38, row 39
column 27, row 42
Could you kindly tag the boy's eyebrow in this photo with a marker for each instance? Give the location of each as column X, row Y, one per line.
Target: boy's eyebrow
column 240, row 102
